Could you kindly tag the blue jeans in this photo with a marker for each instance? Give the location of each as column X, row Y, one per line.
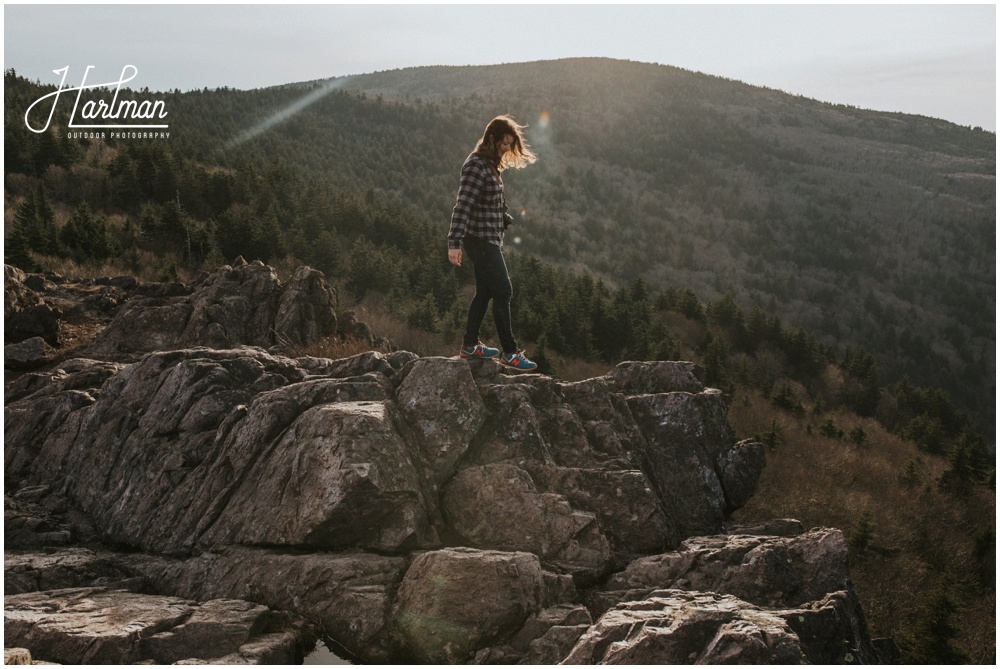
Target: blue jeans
column 492, row 283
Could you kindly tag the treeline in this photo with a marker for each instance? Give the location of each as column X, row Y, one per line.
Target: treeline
column 198, row 208
column 866, row 228
column 146, row 198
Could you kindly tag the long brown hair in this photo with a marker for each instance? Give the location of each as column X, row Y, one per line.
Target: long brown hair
column 520, row 154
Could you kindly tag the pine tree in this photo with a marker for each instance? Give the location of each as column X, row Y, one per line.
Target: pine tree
column 930, row 640
column 862, row 534
column 48, row 232
column 911, row 473
column 88, row 236
column 424, row 314
column 17, row 250
column 715, row 364
column 540, row 356
column 772, row 438
column 968, row 464
column 927, row 433
column 691, row 307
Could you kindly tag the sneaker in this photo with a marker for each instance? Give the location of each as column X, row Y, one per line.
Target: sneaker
column 518, row 362
column 480, row 350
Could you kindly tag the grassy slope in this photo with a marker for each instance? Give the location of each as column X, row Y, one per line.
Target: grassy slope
column 921, row 538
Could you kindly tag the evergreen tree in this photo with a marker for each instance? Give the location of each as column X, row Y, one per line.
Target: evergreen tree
column 728, row 315
column 88, row 236
column 326, row 252
column 17, row 250
column 424, row 314
column 540, row 356
column 691, row 307
column 47, row 240
column 667, row 348
column 930, row 640
column 911, row 477
column 16, row 145
column 862, row 534
column 772, row 438
column 48, row 150
column 784, row 397
column 830, row 429
column 24, row 233
column 968, row 464
column 716, row 363
column 927, row 433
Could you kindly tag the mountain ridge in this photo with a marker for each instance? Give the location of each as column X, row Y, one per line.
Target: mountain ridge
column 870, row 228
column 835, row 217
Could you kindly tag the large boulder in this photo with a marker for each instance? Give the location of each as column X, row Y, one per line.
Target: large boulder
column 764, row 570
column 205, row 447
column 306, row 310
column 511, row 431
column 340, row 475
column 614, row 440
column 102, row 626
column 25, row 313
column 628, row 511
column 498, row 506
column 26, row 354
column 348, row 595
column 674, row 626
column 685, row 433
column 16, row 295
column 739, row 469
column 440, row 400
column 680, row 627
column 67, row 568
column 454, row 601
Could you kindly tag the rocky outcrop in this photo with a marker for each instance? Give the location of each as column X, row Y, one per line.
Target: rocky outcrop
column 679, row 627
column 25, row 314
column 413, row 509
column 348, row 595
column 26, row 354
column 764, row 570
column 239, row 304
column 101, row 626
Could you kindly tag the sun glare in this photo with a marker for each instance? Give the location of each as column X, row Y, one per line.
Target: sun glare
column 286, row 113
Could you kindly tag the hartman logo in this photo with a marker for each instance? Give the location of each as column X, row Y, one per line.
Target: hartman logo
column 120, row 118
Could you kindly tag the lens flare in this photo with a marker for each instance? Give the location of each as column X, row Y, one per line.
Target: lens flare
column 284, row 114
column 543, row 119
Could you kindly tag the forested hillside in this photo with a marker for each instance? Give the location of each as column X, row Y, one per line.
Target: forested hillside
column 870, row 229
column 831, row 268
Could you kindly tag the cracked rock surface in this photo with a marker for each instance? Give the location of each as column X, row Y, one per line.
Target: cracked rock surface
column 192, row 495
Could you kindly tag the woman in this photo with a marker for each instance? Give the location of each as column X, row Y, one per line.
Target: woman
column 478, row 223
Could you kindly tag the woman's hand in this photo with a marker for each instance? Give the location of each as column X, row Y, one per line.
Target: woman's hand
column 455, row 257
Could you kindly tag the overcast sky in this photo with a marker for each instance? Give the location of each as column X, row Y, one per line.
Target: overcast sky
column 933, row 60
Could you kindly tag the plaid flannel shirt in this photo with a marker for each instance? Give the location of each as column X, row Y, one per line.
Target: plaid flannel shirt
column 480, row 207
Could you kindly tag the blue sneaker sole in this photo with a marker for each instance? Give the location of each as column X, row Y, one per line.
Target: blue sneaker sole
column 516, row 369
